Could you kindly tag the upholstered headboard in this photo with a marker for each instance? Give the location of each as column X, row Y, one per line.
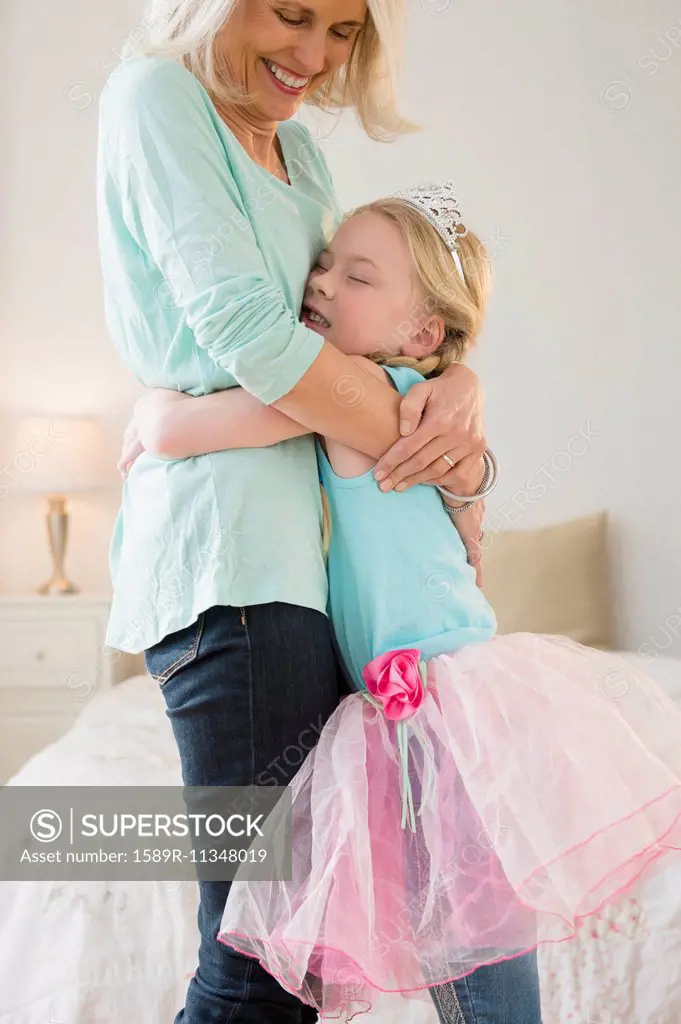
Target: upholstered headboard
column 552, row 580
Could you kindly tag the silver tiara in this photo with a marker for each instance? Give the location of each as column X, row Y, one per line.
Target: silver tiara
column 439, row 205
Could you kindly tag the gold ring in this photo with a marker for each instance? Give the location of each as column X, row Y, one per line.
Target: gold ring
column 450, row 462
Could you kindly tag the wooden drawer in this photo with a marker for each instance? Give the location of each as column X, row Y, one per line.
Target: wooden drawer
column 38, row 652
column 27, row 643
column 52, row 663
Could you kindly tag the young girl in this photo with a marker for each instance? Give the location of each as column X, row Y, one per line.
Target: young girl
column 479, row 794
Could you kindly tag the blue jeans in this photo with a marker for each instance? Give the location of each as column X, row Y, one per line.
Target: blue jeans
column 247, row 691
column 503, row 993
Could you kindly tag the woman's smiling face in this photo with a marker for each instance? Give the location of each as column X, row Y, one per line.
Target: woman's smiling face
column 363, row 288
column 281, row 49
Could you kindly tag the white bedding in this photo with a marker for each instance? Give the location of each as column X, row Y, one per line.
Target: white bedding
column 122, row 953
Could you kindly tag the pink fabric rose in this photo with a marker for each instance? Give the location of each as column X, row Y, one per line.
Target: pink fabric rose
column 395, row 680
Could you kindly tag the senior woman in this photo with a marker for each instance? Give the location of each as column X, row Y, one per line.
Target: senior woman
column 212, row 207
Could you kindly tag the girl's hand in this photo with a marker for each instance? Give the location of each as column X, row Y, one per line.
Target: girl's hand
column 442, row 416
column 469, row 526
column 147, row 424
column 132, row 448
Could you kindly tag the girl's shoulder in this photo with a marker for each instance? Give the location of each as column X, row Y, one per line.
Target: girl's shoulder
column 346, row 463
column 403, row 377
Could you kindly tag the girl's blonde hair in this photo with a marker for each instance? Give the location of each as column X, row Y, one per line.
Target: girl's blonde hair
column 189, row 30
column 460, row 302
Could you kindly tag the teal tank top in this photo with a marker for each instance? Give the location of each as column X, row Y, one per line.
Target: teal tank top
column 398, row 572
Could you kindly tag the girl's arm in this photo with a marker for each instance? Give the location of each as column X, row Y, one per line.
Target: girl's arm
column 173, row 425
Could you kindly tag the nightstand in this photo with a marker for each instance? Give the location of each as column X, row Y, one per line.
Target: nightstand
column 52, row 662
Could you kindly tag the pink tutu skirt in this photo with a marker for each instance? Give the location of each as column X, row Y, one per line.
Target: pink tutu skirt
column 545, row 777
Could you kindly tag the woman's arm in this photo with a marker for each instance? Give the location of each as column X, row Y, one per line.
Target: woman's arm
column 327, row 393
column 166, row 161
column 444, row 416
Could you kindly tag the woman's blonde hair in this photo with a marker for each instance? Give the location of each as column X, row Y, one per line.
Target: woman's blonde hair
column 188, row 31
column 460, row 302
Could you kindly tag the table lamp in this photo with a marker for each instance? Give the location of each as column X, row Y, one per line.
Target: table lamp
column 63, row 455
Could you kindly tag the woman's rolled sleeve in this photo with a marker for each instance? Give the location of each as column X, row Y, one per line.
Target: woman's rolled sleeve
column 182, row 206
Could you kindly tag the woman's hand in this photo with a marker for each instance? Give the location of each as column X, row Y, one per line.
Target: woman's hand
column 442, row 416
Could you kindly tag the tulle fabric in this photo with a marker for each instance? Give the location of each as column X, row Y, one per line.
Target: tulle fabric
column 546, row 778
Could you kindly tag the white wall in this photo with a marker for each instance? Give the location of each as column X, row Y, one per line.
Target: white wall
column 560, row 123
column 55, row 354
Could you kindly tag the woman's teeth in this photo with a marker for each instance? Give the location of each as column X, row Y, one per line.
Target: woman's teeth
column 283, row 76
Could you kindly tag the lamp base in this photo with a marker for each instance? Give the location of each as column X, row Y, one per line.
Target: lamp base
column 57, row 586
column 57, row 521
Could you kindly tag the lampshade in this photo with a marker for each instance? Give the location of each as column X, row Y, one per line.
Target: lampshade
column 59, row 454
